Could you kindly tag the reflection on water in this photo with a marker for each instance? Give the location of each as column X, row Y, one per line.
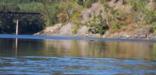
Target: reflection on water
column 46, row 57
column 133, row 50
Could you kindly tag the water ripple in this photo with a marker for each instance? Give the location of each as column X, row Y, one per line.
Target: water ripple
column 38, row 65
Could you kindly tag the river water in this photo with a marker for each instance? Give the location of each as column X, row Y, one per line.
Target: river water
column 36, row 55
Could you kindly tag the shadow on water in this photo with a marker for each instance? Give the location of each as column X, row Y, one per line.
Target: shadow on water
column 17, row 47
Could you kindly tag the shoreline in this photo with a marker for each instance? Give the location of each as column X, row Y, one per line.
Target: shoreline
column 76, row 37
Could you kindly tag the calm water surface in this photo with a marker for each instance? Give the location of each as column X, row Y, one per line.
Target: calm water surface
column 70, row 57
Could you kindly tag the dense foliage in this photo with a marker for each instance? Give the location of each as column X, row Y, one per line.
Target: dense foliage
column 27, row 24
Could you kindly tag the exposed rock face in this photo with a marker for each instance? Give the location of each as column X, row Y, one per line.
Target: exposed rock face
column 144, row 32
column 151, row 5
column 53, row 29
column 61, row 29
column 115, row 3
column 66, row 29
column 83, row 30
column 95, row 9
column 50, row 30
column 120, row 5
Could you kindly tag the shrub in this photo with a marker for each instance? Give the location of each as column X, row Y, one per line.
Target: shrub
column 97, row 25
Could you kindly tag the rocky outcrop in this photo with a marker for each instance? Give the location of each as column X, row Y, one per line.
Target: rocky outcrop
column 61, row 29
column 115, row 3
column 151, row 5
column 130, row 30
column 144, row 32
column 50, row 30
column 83, row 31
column 95, row 9
column 66, row 29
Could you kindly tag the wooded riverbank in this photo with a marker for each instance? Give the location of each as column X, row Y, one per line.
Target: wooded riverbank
column 104, row 18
